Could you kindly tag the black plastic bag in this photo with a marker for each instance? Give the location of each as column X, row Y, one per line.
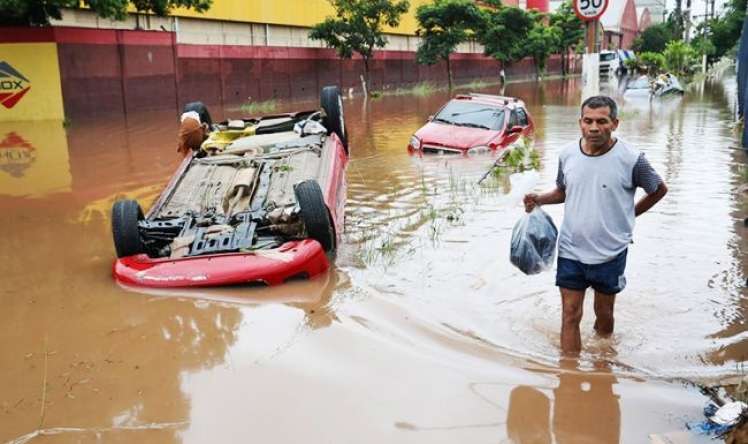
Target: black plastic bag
column 533, row 246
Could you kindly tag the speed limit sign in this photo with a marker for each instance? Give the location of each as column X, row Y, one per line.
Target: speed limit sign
column 590, row 9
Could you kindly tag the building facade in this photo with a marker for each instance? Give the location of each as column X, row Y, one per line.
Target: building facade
column 239, row 51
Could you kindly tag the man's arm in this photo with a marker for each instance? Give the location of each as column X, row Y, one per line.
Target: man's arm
column 646, row 177
column 648, row 201
column 554, row 196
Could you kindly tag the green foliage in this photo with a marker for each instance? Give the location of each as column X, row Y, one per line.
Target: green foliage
column 39, row 12
column 654, row 38
column 725, row 30
column 679, row 57
column 522, row 156
column 505, row 35
column 571, row 29
column 358, row 27
column 264, row 107
column 653, row 62
column 542, row 41
column 443, row 25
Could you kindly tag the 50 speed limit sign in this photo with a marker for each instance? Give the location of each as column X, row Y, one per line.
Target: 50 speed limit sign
column 590, row 9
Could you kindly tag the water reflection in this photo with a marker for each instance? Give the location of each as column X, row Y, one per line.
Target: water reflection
column 585, row 409
column 422, row 239
column 33, row 158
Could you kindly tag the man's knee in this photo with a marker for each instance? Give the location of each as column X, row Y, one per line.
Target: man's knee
column 572, row 312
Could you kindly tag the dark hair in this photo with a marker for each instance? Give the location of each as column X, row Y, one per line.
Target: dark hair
column 595, row 102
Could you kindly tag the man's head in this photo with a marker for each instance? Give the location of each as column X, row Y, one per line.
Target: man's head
column 598, row 121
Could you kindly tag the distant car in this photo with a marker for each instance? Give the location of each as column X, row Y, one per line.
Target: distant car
column 260, row 202
column 663, row 85
column 474, row 122
column 614, row 62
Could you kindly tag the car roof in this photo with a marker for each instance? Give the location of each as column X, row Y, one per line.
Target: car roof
column 490, row 99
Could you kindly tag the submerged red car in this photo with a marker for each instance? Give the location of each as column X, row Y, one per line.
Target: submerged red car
column 261, row 201
column 473, row 122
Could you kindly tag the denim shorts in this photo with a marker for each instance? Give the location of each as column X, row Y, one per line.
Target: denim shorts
column 607, row 277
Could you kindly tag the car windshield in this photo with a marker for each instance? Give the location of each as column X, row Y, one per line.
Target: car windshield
column 640, row 83
column 605, row 57
column 477, row 115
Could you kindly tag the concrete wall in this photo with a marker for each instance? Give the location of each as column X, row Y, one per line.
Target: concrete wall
column 108, row 71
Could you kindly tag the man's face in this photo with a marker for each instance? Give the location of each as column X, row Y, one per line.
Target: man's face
column 597, row 126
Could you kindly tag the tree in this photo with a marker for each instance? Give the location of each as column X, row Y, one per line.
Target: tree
column 653, row 62
column 357, row 27
column 725, row 30
column 39, row 12
column 505, row 35
column 654, row 38
column 443, row 25
column 679, row 57
column 542, row 41
column 571, row 31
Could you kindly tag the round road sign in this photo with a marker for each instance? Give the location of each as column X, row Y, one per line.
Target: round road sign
column 590, row 9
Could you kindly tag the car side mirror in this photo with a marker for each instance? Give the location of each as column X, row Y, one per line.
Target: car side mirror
column 514, row 129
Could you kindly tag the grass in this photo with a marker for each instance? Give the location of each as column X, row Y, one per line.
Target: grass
column 266, row 106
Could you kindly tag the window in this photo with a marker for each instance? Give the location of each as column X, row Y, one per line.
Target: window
column 513, row 119
column 522, row 117
column 466, row 113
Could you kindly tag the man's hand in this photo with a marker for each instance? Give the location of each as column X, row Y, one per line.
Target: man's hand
column 554, row 196
column 530, row 201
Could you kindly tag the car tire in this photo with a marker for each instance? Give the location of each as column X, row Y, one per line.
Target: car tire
column 314, row 214
column 125, row 217
column 334, row 120
column 201, row 109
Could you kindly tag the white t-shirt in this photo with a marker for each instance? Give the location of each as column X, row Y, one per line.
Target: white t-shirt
column 599, row 208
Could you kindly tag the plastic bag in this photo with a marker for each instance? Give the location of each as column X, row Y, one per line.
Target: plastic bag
column 533, row 246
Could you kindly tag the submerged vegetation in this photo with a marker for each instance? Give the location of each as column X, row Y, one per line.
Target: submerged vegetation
column 267, row 106
column 446, row 202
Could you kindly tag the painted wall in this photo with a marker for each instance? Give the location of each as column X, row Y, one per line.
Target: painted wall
column 29, row 81
column 304, row 13
column 116, row 72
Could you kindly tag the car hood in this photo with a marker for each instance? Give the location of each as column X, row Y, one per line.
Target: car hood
column 462, row 137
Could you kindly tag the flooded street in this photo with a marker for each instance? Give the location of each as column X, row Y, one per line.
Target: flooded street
column 422, row 332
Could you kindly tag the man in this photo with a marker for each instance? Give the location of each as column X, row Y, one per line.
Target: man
column 192, row 132
column 597, row 178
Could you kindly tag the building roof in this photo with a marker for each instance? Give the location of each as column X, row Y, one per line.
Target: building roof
column 614, row 17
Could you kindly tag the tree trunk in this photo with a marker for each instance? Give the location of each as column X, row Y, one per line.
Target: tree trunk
column 449, row 73
column 564, row 61
column 367, row 86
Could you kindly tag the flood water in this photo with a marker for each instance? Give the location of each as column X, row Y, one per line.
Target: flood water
column 422, row 332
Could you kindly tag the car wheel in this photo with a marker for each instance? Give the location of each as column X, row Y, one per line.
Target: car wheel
column 125, row 217
column 201, row 109
column 314, row 214
column 334, row 120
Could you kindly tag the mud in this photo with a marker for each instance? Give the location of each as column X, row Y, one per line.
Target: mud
column 423, row 332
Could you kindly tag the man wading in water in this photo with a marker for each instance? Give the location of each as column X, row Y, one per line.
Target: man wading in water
column 597, row 178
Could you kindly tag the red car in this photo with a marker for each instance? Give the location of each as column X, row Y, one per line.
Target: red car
column 473, row 122
column 260, row 201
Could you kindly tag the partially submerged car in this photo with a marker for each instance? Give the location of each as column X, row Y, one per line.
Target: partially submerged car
column 662, row 86
column 260, row 202
column 474, row 122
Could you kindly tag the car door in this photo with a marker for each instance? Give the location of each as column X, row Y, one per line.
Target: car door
column 523, row 120
column 514, row 120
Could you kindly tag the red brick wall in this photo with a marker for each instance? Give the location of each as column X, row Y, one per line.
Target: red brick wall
column 114, row 71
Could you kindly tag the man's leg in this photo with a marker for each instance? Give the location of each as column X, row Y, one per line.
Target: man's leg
column 604, row 321
column 572, row 302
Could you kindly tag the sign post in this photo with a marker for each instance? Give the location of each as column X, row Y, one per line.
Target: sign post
column 590, row 11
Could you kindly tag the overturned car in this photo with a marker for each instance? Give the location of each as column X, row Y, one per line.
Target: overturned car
column 261, row 201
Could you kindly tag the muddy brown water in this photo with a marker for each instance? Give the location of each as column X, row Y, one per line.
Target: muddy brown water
column 423, row 331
